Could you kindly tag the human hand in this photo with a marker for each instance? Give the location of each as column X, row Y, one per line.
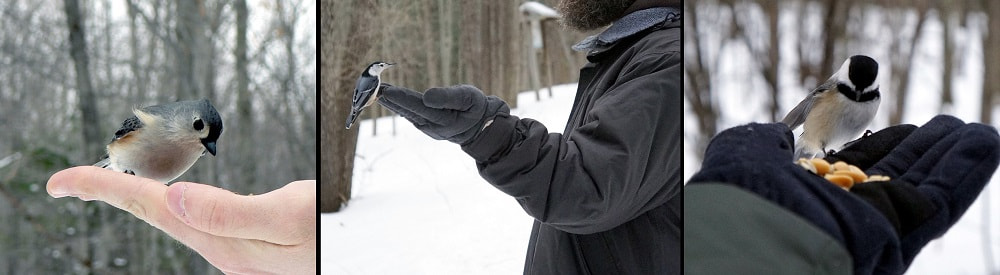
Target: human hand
column 456, row 113
column 945, row 163
column 937, row 172
column 268, row 233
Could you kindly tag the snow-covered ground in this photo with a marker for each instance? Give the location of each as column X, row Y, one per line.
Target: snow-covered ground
column 419, row 205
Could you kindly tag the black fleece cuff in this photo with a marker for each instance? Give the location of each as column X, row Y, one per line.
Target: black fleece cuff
column 493, row 140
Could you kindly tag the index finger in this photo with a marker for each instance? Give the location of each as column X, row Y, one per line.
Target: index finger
column 144, row 198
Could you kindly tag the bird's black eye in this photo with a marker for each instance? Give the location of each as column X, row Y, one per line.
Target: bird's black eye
column 198, row 125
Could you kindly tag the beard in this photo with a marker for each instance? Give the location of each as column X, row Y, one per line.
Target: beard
column 585, row 15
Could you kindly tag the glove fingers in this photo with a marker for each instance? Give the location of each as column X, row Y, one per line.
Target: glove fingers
column 911, row 149
column 952, row 174
column 414, row 118
column 969, row 154
column 461, row 97
column 403, row 101
column 866, row 151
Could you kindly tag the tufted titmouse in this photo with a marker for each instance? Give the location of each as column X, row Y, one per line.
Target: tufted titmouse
column 838, row 110
column 161, row 142
column 366, row 91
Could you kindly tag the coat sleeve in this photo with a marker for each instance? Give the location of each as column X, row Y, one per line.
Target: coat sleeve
column 624, row 160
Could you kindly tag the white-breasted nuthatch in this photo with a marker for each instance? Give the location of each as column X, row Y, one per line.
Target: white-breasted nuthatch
column 161, row 142
column 838, row 110
column 366, row 92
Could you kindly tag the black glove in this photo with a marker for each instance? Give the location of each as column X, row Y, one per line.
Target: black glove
column 456, row 113
column 902, row 204
column 937, row 172
column 946, row 161
column 869, row 149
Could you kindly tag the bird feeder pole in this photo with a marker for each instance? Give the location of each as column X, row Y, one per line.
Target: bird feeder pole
column 535, row 13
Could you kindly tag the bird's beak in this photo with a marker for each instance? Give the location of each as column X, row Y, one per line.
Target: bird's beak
column 390, row 64
column 209, row 146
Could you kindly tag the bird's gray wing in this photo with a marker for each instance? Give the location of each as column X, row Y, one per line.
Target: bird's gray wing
column 129, row 125
column 360, row 97
column 798, row 114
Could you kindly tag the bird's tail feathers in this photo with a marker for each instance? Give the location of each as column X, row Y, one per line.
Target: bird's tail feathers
column 104, row 163
column 351, row 118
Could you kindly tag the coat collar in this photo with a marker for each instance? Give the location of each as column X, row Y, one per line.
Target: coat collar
column 626, row 26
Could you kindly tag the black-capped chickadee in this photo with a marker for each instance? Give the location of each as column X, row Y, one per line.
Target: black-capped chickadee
column 161, row 142
column 838, row 110
column 366, row 92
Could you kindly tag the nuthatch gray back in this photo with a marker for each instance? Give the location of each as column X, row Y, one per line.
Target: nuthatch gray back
column 838, row 110
column 366, row 92
column 161, row 142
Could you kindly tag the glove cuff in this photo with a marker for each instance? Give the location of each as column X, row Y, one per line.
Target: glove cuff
column 493, row 140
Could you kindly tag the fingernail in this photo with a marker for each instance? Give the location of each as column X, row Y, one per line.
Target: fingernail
column 175, row 201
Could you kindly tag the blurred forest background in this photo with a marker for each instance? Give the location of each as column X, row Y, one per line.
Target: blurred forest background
column 754, row 60
column 485, row 43
column 70, row 73
column 785, row 48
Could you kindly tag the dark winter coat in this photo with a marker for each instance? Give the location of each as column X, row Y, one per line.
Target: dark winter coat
column 605, row 192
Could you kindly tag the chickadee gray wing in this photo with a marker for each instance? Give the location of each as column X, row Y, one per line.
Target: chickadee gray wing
column 798, row 115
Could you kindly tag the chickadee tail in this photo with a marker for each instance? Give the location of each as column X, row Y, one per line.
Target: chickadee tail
column 104, row 163
column 801, row 151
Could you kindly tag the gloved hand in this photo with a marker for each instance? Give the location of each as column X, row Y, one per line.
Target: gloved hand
column 946, row 161
column 936, row 173
column 456, row 113
column 869, row 149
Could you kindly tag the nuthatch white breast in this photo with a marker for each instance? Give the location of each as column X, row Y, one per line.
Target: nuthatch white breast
column 366, row 92
column 161, row 142
column 838, row 110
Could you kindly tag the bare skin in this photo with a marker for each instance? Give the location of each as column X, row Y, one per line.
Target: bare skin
column 268, row 233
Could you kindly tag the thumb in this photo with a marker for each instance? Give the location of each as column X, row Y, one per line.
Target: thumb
column 275, row 217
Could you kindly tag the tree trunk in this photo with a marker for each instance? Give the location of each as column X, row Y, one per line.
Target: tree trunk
column 85, row 92
column 138, row 84
column 88, row 109
column 904, row 50
column 189, row 37
column 948, row 14
column 699, row 91
column 770, row 69
column 991, row 85
column 446, row 40
column 339, row 144
column 244, row 107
